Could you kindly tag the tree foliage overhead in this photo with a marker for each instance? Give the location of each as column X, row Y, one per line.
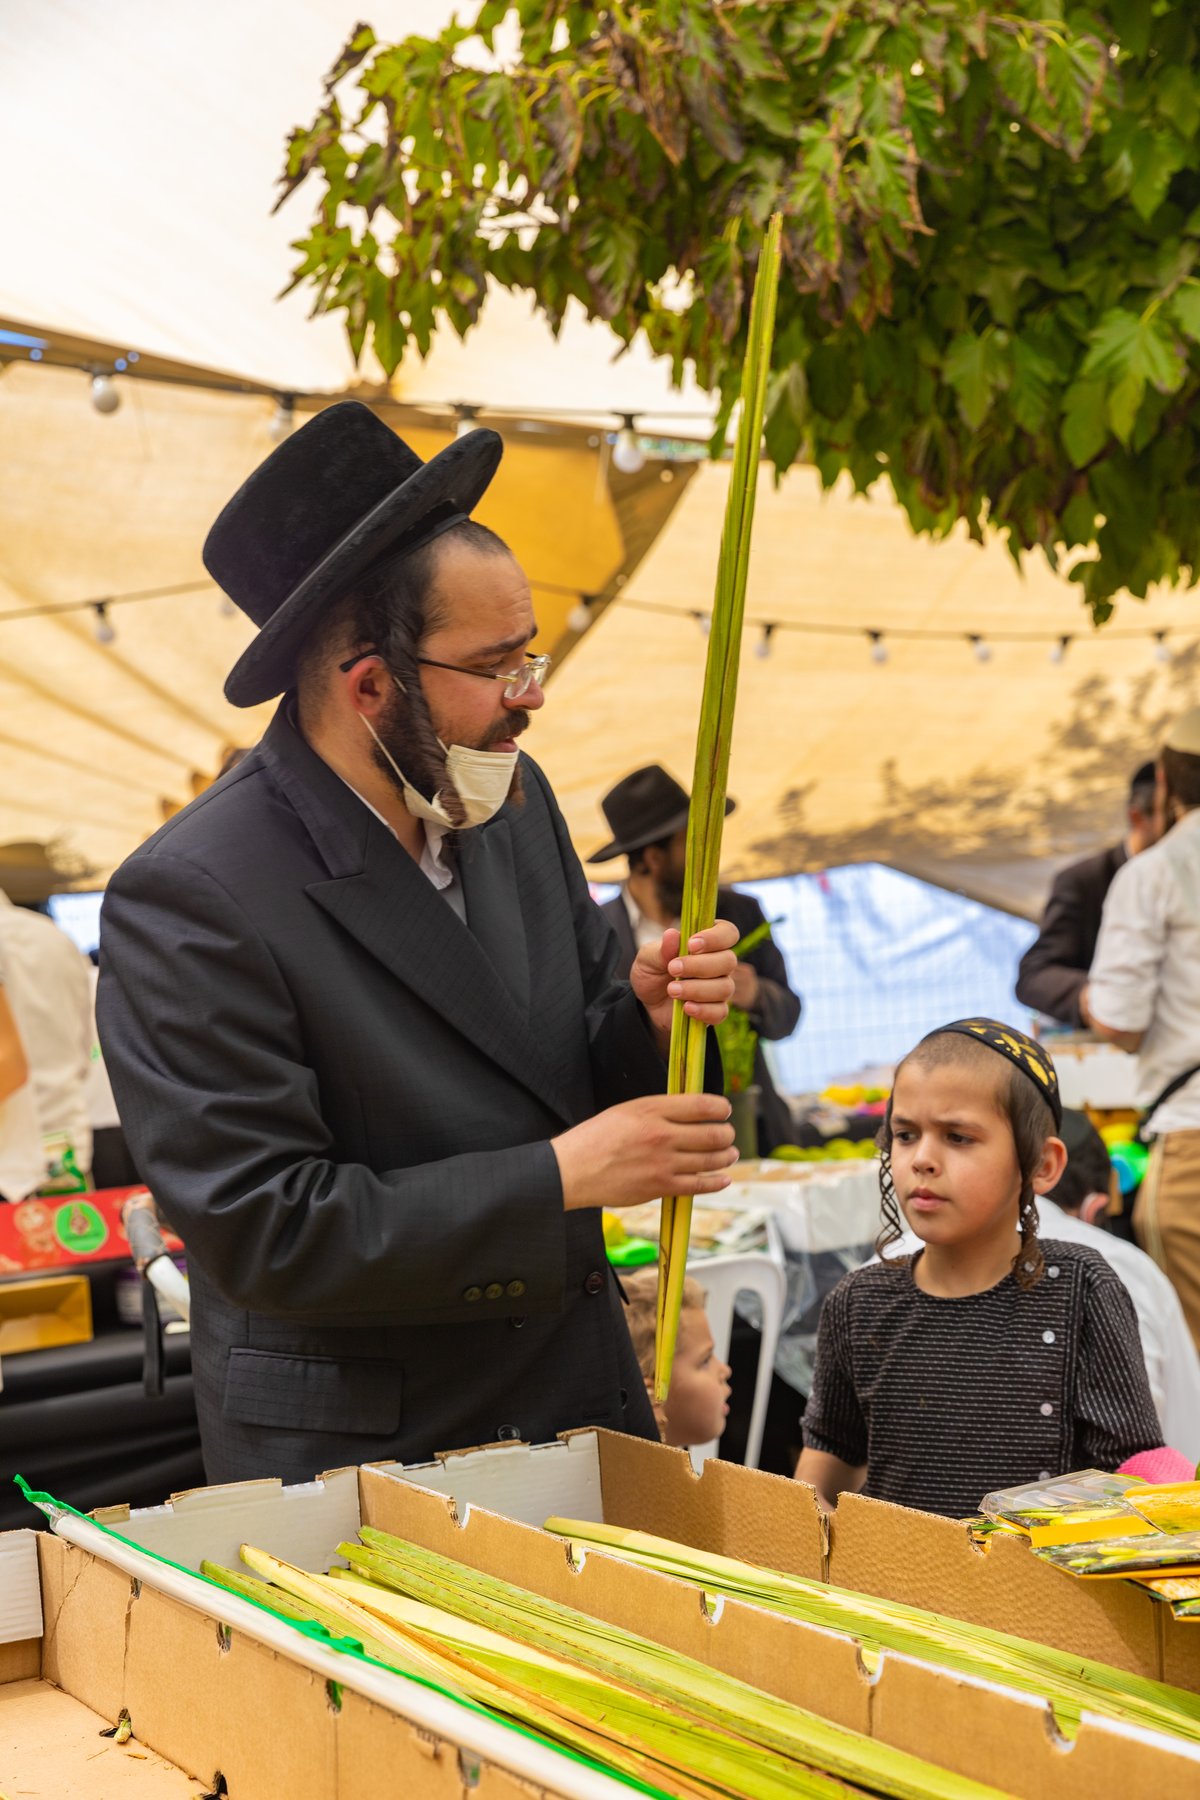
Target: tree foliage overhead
column 991, row 233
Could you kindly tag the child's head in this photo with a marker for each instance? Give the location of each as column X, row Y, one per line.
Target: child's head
column 968, row 1140
column 1085, row 1185
column 697, row 1404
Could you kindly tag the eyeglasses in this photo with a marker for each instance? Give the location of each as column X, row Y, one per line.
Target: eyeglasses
column 517, row 682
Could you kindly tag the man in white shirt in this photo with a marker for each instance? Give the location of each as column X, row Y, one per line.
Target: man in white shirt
column 46, row 980
column 1172, row 1365
column 1144, row 995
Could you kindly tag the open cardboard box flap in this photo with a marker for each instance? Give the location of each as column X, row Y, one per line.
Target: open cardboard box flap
column 464, row 1505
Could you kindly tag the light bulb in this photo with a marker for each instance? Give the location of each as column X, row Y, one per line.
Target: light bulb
column 226, row 607
column 1162, row 653
column 283, row 418
column 763, row 647
column 106, row 631
column 879, row 650
column 1059, row 650
column 579, row 617
column 105, row 396
column 981, row 647
column 465, row 420
column 628, row 455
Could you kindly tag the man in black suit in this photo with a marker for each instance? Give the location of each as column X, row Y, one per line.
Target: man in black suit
column 359, row 1009
column 647, row 813
column 1053, row 974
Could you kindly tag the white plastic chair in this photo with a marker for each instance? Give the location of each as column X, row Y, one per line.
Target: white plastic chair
column 723, row 1278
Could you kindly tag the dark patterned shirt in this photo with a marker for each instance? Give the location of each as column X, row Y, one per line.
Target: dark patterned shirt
column 948, row 1399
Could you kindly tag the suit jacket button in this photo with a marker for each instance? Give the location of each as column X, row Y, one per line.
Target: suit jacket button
column 493, row 1290
column 471, row 1294
column 518, row 1322
column 506, row 1434
column 515, row 1289
column 594, row 1283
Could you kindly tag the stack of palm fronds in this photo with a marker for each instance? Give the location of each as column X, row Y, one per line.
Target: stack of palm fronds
column 1072, row 1684
column 707, row 814
column 663, row 1721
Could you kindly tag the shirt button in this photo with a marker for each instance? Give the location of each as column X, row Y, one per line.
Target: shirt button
column 1046, row 1409
column 594, row 1283
column 1052, row 1272
column 493, row 1290
column 515, row 1289
column 472, row 1294
column 1047, row 1337
column 1045, row 1475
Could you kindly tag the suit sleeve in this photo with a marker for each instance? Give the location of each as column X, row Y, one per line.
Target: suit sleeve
column 223, row 1115
column 1054, row 970
column 777, row 1012
column 625, row 1058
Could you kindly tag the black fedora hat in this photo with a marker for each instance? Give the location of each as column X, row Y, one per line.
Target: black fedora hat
column 641, row 809
column 339, row 494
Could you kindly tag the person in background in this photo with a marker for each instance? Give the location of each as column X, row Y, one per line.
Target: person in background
column 697, row 1403
column 50, row 994
column 1072, row 1213
column 647, row 813
column 1143, row 994
column 20, row 1144
column 358, row 1005
column 992, row 1356
column 1053, row 972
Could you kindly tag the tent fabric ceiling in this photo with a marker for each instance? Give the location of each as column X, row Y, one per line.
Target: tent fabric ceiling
column 96, row 737
column 159, row 237
column 979, row 776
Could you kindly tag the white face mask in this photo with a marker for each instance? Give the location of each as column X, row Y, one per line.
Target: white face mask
column 481, row 778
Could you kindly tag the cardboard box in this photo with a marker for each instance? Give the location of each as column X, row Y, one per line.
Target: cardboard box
column 484, row 1508
column 43, row 1312
column 214, row 1707
column 985, row 1732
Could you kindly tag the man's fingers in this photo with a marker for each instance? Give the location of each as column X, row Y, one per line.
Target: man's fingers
column 693, row 1109
column 721, row 936
column 701, row 1184
column 703, row 993
column 710, row 1013
column 710, row 1162
column 720, row 963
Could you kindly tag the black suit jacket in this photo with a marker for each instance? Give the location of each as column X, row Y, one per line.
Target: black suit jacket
column 776, row 1015
column 1054, row 969
column 342, row 1098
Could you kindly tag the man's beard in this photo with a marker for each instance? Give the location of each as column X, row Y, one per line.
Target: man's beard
column 419, row 754
column 669, row 892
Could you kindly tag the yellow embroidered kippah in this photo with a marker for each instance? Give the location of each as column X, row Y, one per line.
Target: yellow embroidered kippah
column 1185, row 733
column 1021, row 1051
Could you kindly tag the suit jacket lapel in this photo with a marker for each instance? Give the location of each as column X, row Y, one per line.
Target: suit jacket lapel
column 493, row 911
column 478, row 979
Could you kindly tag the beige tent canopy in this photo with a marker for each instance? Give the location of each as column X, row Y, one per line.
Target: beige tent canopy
column 158, row 239
column 981, row 776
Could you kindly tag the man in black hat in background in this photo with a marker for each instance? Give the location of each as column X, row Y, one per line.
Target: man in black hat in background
column 1052, row 978
column 359, row 1009
column 647, row 813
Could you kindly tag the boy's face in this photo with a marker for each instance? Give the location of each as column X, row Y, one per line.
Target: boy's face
column 698, row 1403
column 954, row 1162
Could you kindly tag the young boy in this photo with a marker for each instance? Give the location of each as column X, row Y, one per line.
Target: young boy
column 697, row 1405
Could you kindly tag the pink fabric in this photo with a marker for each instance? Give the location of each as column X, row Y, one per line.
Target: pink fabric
column 1159, row 1466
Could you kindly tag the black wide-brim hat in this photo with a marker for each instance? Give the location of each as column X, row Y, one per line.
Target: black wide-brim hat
column 643, row 808
column 341, row 493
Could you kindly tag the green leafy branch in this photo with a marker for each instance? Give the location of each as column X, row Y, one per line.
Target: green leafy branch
column 991, row 234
